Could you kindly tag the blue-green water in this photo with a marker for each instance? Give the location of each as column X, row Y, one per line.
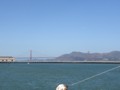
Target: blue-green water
column 46, row 76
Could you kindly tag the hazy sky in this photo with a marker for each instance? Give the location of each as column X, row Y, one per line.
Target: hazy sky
column 55, row 27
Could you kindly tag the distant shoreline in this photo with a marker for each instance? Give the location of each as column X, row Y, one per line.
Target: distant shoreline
column 75, row 62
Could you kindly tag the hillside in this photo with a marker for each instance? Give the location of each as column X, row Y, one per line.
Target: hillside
column 80, row 56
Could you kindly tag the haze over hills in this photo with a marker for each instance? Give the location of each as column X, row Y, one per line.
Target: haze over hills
column 80, row 56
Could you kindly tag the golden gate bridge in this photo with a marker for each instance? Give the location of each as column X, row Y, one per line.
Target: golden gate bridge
column 34, row 59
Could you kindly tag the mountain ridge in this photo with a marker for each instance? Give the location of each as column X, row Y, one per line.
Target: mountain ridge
column 81, row 56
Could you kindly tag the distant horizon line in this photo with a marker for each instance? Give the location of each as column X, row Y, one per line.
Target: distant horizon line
column 60, row 54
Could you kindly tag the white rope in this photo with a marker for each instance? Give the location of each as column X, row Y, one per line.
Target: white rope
column 95, row 75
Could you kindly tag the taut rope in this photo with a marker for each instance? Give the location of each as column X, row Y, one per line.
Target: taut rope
column 81, row 81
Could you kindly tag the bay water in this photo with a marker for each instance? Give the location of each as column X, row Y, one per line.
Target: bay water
column 46, row 76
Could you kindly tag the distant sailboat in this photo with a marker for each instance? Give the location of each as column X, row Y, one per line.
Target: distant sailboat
column 30, row 57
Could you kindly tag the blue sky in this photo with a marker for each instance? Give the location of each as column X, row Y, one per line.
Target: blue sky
column 55, row 27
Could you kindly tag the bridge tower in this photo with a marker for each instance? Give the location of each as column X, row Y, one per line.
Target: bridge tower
column 30, row 55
